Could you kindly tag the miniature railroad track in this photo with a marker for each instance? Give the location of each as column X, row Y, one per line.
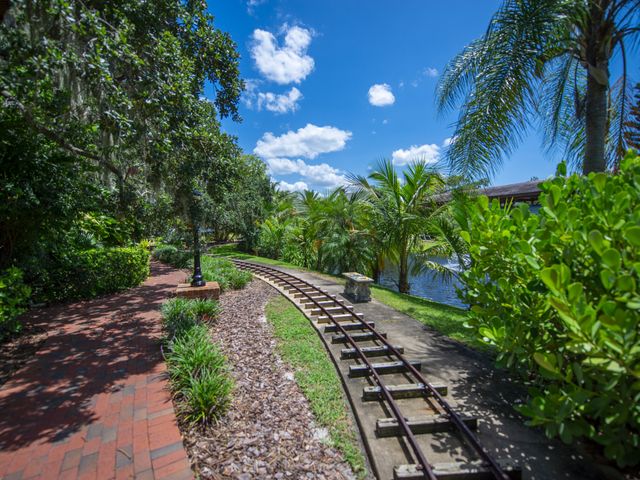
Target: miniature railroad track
column 351, row 328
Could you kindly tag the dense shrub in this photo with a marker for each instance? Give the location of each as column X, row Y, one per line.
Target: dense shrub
column 180, row 314
column 171, row 255
column 224, row 272
column 14, row 295
column 87, row 273
column 107, row 270
column 198, row 371
column 557, row 294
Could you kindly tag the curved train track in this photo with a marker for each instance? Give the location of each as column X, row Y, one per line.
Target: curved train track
column 351, row 329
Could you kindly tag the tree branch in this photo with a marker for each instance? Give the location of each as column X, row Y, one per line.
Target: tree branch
column 56, row 138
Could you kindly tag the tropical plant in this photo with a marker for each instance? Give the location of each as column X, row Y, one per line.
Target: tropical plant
column 14, row 296
column 550, row 58
column 557, row 294
column 404, row 209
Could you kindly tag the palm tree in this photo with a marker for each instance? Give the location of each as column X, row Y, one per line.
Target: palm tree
column 550, row 58
column 345, row 243
column 404, row 208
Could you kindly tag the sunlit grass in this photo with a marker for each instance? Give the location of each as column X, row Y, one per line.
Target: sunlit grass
column 300, row 346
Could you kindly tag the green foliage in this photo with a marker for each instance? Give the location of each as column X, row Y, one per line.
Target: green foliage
column 557, row 294
column 173, row 256
column 14, row 295
column 86, row 273
column 224, row 272
column 199, row 375
column 180, row 314
column 549, row 58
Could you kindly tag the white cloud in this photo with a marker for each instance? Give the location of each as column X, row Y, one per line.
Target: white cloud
column 430, row 153
column 380, row 95
column 385, row 121
column 287, row 102
column 322, row 174
column 309, row 142
column 430, row 72
column 292, row 187
column 447, row 142
column 284, row 64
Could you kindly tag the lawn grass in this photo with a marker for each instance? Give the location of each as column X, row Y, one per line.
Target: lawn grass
column 300, row 346
column 448, row 320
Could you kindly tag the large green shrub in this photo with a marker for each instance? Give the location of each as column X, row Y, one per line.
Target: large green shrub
column 557, row 293
column 14, row 295
column 79, row 274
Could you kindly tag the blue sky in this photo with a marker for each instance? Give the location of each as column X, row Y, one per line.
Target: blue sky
column 335, row 85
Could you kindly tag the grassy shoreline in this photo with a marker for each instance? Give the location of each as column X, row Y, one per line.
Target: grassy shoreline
column 300, row 347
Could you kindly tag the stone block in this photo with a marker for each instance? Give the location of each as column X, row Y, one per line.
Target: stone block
column 357, row 287
column 211, row 291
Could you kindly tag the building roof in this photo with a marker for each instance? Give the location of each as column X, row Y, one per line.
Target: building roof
column 515, row 192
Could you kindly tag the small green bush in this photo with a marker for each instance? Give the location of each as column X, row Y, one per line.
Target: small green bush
column 180, row 314
column 557, row 294
column 198, row 371
column 171, row 255
column 14, row 295
column 224, row 272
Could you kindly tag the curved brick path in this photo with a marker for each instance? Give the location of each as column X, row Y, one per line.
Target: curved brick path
column 93, row 403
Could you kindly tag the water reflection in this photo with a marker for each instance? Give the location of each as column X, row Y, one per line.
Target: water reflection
column 427, row 285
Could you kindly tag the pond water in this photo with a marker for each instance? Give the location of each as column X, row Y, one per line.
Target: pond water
column 427, row 285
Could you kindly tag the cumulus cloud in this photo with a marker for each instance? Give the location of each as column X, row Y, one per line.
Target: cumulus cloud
column 322, row 174
column 430, row 153
column 292, row 187
column 287, row 63
column 309, row 142
column 380, row 95
column 430, row 72
column 287, row 102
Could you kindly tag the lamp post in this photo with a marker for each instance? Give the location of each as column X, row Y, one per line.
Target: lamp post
column 197, row 280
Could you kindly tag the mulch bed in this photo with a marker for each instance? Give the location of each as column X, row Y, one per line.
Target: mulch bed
column 17, row 350
column 269, row 431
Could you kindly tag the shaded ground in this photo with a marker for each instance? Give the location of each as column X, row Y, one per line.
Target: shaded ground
column 16, row 351
column 269, row 431
column 92, row 402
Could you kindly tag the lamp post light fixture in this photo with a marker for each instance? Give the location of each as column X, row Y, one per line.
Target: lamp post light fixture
column 197, row 280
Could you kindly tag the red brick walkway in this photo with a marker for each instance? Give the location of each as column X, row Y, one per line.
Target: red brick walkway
column 93, row 402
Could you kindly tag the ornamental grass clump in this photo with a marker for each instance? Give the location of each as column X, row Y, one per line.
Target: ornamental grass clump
column 180, row 314
column 198, row 371
column 557, row 294
column 224, row 272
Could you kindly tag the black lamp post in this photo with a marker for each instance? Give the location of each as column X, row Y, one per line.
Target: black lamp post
column 197, row 280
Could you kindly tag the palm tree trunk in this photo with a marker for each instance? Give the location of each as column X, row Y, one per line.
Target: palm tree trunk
column 403, row 280
column 596, row 94
column 596, row 127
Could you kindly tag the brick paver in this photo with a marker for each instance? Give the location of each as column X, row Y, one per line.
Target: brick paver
column 93, row 402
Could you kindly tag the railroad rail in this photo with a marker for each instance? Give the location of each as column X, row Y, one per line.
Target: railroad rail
column 352, row 329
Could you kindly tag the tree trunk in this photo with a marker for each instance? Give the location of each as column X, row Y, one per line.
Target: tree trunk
column 596, row 127
column 403, row 280
column 597, row 57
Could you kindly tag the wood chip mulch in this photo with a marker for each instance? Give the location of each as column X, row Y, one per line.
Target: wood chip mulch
column 269, row 430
